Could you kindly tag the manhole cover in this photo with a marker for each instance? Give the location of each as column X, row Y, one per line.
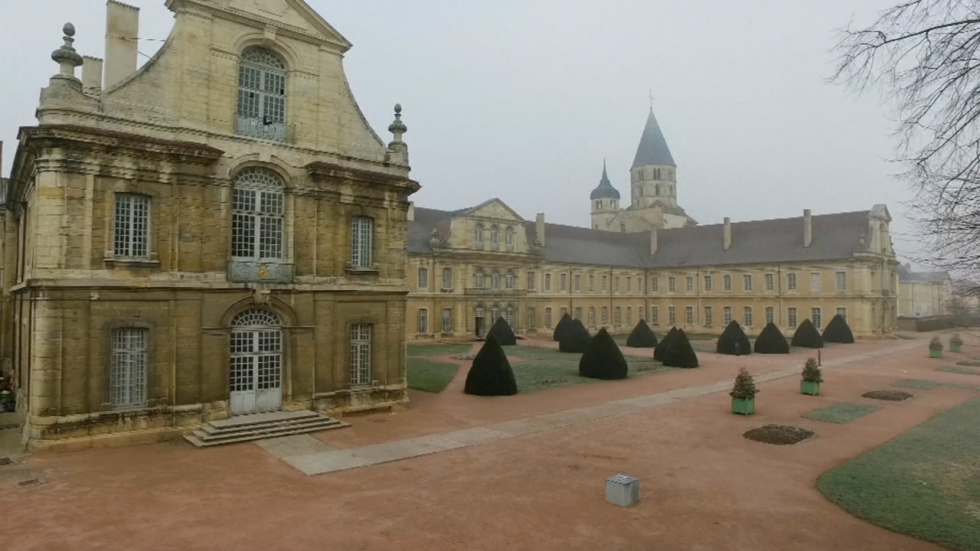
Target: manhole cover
column 889, row 395
column 779, row 435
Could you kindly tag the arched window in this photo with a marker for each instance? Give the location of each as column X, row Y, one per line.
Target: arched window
column 598, row 204
column 257, row 216
column 255, row 373
column 479, row 234
column 262, row 95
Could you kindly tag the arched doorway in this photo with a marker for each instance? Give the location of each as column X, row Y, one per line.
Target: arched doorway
column 255, row 371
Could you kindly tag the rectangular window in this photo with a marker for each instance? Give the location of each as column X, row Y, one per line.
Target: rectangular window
column 842, row 312
column 629, row 315
column 547, row 318
column 591, row 283
column 747, row 282
column 655, row 315
column 423, row 321
column 547, row 282
column 815, row 282
column 578, row 313
column 256, row 225
column 563, row 312
column 605, row 284
column 770, row 282
column 617, row 284
column 618, row 316
column 707, row 283
column 132, row 226
column 447, row 278
column 447, row 321
column 362, row 235
column 563, row 282
column 816, row 318
column 591, row 316
column 727, row 312
column 360, row 354
column 671, row 315
column 655, row 284
column 689, row 315
column 709, row 317
column 479, row 280
column 629, row 284
column 747, row 316
column 531, row 283
column 605, row 316
column 791, row 318
column 728, row 282
column 671, row 284
column 770, row 315
column 578, row 282
column 531, row 321
column 690, row 284
column 127, row 378
column 791, row 282
column 511, row 317
column 423, row 278
column 841, row 281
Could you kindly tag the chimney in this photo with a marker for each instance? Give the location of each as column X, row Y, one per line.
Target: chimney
column 653, row 240
column 807, row 228
column 411, row 212
column 121, row 31
column 728, row 233
column 539, row 228
column 91, row 75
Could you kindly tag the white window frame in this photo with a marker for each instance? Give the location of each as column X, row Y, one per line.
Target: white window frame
column 128, row 372
column 816, row 316
column 689, row 281
column 262, row 87
column 447, row 320
column 479, row 234
column 510, row 280
column 362, row 242
column 531, row 281
column 747, row 282
column 841, row 279
column 479, row 280
column 726, row 317
column 791, row 281
column 132, row 226
column 447, row 278
column 747, row 316
column 728, row 282
column 709, row 317
column 509, row 238
column 689, row 315
column 770, row 282
column 708, row 284
column 671, row 284
column 423, row 321
column 816, row 281
column 359, row 354
column 770, row 315
column 655, row 315
column 654, row 284
column 258, row 216
column 671, row 315
column 792, row 318
column 547, row 282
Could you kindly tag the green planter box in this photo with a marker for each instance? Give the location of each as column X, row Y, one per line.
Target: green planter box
column 935, row 353
column 812, row 389
column 743, row 407
column 954, row 347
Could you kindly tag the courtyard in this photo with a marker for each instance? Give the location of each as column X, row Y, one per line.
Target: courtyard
column 703, row 486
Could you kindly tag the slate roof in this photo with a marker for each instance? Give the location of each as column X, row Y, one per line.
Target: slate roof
column 605, row 189
column 906, row 275
column 835, row 237
column 653, row 148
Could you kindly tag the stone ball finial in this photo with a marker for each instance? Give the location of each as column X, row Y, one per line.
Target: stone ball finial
column 398, row 127
column 398, row 108
column 69, row 29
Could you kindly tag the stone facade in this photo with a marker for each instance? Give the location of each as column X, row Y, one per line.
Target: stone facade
column 150, row 222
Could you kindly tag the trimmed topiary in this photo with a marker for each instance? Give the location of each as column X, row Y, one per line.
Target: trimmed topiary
column 602, row 359
column 576, row 339
column 679, row 352
column 771, row 341
column 490, row 374
column 838, row 331
column 503, row 333
column 733, row 341
column 658, row 352
column 563, row 324
column 807, row 336
column 642, row 336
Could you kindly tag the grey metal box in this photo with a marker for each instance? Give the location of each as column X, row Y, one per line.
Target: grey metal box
column 622, row 490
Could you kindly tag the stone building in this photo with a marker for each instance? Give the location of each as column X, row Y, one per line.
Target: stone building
column 648, row 261
column 924, row 294
column 219, row 232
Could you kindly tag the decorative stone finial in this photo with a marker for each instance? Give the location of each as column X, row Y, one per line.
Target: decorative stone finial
column 398, row 127
column 66, row 56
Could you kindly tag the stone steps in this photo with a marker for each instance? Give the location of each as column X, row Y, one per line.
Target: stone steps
column 246, row 428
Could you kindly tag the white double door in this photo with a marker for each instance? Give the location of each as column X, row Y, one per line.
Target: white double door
column 255, row 375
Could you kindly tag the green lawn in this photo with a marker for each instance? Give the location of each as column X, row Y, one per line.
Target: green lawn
column 540, row 368
column 960, row 369
column 438, row 349
column 929, row 385
column 841, row 413
column 429, row 376
column 925, row 483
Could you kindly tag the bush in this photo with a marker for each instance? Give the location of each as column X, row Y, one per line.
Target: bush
column 503, row 333
column 575, row 339
column 679, row 352
column 658, row 352
column 771, row 341
column 936, row 344
column 490, row 374
column 602, row 359
column 807, row 336
column 744, row 388
column 956, row 340
column 642, row 336
column 733, row 341
column 838, row 331
column 563, row 324
column 812, row 373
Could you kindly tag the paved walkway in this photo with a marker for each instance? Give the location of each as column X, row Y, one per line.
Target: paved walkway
column 328, row 461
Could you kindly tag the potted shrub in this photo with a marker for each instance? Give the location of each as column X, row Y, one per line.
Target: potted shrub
column 936, row 348
column 955, row 342
column 743, row 394
column 811, row 378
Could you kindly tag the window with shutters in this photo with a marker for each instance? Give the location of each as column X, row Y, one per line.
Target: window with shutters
column 261, row 95
column 132, row 225
column 127, row 375
column 708, row 316
column 791, row 318
column 423, row 325
column 257, row 216
column 727, row 315
column 423, row 278
column 447, row 321
column 747, row 316
column 360, row 354
column 362, row 239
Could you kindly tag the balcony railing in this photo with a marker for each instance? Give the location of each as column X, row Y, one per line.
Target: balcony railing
column 264, row 130
column 487, row 291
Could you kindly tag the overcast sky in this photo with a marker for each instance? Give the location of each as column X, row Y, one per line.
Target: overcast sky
column 523, row 99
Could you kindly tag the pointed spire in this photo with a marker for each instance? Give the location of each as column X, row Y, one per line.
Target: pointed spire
column 605, row 189
column 653, row 148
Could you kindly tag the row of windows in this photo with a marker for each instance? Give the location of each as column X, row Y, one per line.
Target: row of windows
column 510, row 236
column 655, row 173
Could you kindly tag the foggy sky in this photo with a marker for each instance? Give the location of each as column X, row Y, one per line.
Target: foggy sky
column 523, row 99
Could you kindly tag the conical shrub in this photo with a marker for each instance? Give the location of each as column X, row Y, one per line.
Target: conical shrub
column 658, row 352
column 490, row 374
column 838, row 331
column 807, row 336
column 642, row 336
column 771, row 341
column 733, row 341
column 503, row 333
column 563, row 324
column 603, row 359
column 679, row 352
column 576, row 339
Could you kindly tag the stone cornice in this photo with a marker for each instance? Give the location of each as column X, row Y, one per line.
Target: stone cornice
column 322, row 171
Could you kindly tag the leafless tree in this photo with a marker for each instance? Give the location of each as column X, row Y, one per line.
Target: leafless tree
column 923, row 57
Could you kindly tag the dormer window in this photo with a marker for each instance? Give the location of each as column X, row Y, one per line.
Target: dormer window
column 479, row 235
column 494, row 237
column 509, row 238
column 262, row 95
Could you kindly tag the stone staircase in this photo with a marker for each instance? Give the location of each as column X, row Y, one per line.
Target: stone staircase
column 245, row 428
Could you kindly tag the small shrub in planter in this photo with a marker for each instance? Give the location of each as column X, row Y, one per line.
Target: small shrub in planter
column 658, row 352
column 642, row 336
column 743, row 393
column 602, row 359
column 562, row 328
column 955, row 343
column 812, row 377
column 490, row 374
column 576, row 338
column 733, row 341
column 807, row 336
column 679, row 352
column 838, row 331
column 771, row 341
column 502, row 332
column 936, row 347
